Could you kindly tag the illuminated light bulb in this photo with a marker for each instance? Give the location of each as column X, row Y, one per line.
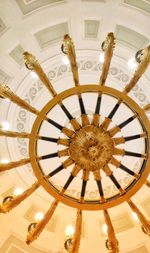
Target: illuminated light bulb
column 18, row 191
column 5, row 125
column 101, row 57
column 34, row 75
column 7, row 99
column 5, row 161
column 65, row 60
column 104, row 229
column 132, row 63
column 134, row 215
column 39, row 216
column 69, row 231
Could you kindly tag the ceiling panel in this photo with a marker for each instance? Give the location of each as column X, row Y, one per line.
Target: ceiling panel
column 2, row 26
column 14, row 249
column 91, row 28
column 51, row 34
column 28, row 6
column 4, row 78
column 17, row 54
column 130, row 37
column 139, row 250
column 142, row 4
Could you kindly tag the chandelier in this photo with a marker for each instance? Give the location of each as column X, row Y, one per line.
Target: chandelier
column 94, row 146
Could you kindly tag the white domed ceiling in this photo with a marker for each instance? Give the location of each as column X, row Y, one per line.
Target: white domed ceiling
column 38, row 27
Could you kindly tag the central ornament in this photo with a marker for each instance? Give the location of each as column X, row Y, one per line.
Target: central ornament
column 91, row 148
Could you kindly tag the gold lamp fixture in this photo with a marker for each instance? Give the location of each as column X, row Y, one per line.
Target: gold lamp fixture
column 94, row 145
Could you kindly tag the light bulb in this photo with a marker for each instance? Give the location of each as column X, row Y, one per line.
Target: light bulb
column 101, row 57
column 5, row 125
column 5, row 161
column 104, row 229
column 65, row 60
column 34, row 75
column 132, row 63
column 18, row 191
column 39, row 216
column 69, row 231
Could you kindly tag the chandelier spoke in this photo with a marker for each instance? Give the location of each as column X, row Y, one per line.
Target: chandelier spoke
column 44, row 138
column 15, row 164
column 143, row 65
column 116, row 129
column 114, row 110
column 54, row 172
column 98, row 180
column 132, row 173
column 129, row 153
column 112, row 243
column 85, row 178
column 6, row 92
column 107, row 46
column 70, row 179
column 134, row 137
column 14, row 201
column 34, row 234
column 44, row 157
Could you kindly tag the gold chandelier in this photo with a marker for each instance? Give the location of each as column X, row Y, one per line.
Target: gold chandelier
column 91, row 146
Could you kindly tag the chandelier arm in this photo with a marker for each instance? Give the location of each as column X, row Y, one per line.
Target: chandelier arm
column 145, row 223
column 34, row 234
column 14, row 134
column 16, row 200
column 78, row 232
column 145, row 61
column 15, row 164
column 69, row 49
column 147, row 183
column 113, row 244
column 63, row 152
column 146, row 108
column 6, row 92
column 32, row 64
column 109, row 45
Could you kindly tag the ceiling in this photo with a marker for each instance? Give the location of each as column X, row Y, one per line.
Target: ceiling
column 38, row 26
